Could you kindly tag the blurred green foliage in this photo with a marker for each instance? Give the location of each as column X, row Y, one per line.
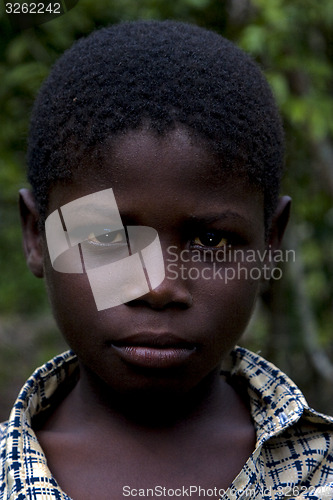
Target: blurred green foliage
column 293, row 42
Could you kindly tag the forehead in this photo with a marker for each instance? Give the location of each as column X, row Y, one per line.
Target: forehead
column 139, row 156
column 142, row 156
column 173, row 173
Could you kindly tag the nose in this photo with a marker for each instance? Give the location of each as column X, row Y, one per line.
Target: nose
column 171, row 293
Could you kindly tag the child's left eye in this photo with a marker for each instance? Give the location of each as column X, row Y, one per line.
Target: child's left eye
column 211, row 239
column 107, row 238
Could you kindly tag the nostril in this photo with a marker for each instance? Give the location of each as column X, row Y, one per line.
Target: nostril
column 167, row 295
column 158, row 306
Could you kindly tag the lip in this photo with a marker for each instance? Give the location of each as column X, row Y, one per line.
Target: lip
column 154, row 350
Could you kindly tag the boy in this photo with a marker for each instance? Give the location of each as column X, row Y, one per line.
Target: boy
column 157, row 143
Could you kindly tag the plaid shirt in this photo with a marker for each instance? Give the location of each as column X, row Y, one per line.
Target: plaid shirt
column 293, row 457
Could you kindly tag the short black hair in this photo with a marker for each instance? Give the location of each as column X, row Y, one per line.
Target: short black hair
column 166, row 74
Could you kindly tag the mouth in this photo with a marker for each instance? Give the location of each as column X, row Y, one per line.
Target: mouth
column 154, row 350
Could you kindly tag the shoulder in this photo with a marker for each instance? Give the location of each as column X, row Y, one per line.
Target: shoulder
column 295, row 442
column 300, row 458
column 20, row 449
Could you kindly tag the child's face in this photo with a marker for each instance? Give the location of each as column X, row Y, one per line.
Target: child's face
column 177, row 334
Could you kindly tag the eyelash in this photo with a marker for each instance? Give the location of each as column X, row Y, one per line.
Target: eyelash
column 95, row 240
column 223, row 239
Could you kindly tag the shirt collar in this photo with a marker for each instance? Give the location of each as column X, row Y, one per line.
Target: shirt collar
column 275, row 401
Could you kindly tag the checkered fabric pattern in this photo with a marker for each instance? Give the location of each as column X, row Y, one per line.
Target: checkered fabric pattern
column 293, row 457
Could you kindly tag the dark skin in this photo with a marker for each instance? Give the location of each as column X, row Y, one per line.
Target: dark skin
column 171, row 424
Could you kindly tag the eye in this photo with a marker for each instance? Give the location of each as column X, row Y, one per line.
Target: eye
column 214, row 239
column 106, row 238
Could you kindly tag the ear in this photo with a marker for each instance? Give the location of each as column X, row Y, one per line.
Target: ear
column 279, row 222
column 32, row 239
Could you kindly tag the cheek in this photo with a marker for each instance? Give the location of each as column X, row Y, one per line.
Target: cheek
column 72, row 302
column 224, row 307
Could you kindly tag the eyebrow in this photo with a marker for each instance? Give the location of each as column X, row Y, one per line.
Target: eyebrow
column 215, row 217
column 92, row 210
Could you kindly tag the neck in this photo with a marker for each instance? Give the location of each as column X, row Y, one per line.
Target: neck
column 152, row 408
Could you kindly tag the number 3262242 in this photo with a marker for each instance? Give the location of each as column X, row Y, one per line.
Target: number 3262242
column 32, row 8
